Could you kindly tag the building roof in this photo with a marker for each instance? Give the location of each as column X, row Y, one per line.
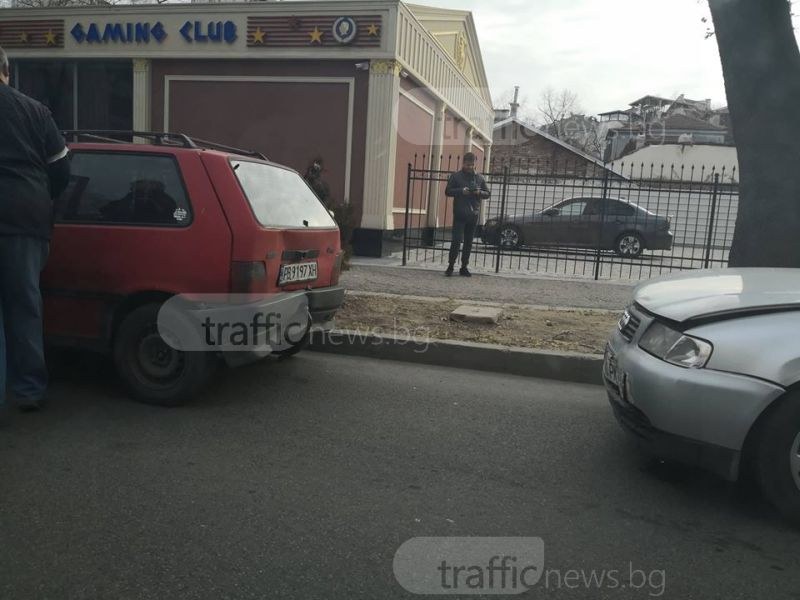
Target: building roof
column 553, row 139
column 686, row 123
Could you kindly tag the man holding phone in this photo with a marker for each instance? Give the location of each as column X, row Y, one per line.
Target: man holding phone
column 467, row 189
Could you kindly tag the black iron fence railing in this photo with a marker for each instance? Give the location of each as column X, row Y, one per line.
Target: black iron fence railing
column 613, row 221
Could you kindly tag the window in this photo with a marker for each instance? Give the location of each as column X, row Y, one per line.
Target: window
column 279, row 197
column 620, row 209
column 82, row 94
column 573, row 209
column 129, row 189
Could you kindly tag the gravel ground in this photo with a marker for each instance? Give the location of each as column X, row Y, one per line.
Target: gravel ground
column 491, row 288
column 584, row 331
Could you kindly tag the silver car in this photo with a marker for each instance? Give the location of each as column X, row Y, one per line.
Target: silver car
column 704, row 368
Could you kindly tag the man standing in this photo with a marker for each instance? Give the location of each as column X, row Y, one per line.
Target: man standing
column 34, row 169
column 467, row 189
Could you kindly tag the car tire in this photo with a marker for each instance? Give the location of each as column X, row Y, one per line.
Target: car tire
column 509, row 237
column 153, row 372
column 629, row 245
column 777, row 457
column 297, row 347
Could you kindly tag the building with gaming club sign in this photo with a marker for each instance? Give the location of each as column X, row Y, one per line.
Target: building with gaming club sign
column 364, row 85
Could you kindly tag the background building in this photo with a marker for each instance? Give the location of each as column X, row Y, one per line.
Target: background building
column 365, row 85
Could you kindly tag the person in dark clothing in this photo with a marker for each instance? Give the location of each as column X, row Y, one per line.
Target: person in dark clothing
column 34, row 169
column 467, row 189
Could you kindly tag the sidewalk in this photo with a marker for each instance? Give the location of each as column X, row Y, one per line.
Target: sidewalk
column 374, row 275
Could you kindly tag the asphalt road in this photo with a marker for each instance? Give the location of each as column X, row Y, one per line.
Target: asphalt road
column 300, row 479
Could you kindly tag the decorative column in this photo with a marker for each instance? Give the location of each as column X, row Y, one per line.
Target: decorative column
column 487, row 159
column 141, row 94
column 435, row 189
column 468, row 141
column 379, row 168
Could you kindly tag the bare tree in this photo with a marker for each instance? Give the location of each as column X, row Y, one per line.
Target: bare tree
column 761, row 65
column 561, row 115
column 555, row 107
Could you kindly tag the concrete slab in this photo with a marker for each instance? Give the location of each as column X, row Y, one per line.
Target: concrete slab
column 471, row 313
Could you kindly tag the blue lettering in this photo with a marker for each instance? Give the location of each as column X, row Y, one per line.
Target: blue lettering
column 78, row 33
column 114, row 33
column 187, row 27
column 229, row 32
column 198, row 34
column 215, row 31
column 93, row 35
column 158, row 32
column 142, row 32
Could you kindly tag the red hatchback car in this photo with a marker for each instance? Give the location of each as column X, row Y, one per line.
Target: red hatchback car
column 141, row 223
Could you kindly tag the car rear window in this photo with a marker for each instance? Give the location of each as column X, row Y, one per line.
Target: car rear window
column 279, row 197
column 124, row 189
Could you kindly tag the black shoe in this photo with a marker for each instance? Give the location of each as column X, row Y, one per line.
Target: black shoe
column 27, row 405
column 464, row 272
column 449, row 271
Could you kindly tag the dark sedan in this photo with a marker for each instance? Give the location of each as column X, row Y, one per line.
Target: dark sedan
column 610, row 224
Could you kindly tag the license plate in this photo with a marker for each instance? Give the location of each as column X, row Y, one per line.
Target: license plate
column 610, row 370
column 296, row 273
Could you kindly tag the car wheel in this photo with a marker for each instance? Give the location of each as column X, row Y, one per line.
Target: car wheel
column 629, row 245
column 296, row 347
column 152, row 370
column 777, row 458
column 509, row 236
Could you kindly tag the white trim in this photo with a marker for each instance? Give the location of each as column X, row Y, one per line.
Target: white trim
column 413, row 211
column 350, row 81
column 57, row 156
column 418, row 102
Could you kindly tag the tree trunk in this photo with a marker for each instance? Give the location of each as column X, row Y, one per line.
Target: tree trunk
column 761, row 65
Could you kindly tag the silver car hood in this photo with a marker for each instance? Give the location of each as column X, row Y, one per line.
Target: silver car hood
column 720, row 293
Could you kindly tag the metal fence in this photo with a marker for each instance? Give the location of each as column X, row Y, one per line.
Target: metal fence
column 616, row 221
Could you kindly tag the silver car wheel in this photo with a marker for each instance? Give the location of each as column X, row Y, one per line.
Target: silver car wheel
column 630, row 245
column 509, row 237
column 794, row 460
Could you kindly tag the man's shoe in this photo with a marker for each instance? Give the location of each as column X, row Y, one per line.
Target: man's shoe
column 464, row 272
column 27, row 405
column 449, row 271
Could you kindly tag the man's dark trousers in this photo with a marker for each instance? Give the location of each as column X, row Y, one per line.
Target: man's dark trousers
column 22, row 366
column 463, row 231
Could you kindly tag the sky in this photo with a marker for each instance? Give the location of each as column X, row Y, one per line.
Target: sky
column 608, row 52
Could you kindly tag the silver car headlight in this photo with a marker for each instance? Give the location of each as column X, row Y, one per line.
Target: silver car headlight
column 676, row 348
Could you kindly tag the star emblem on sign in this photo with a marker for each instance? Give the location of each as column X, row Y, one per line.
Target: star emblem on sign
column 258, row 36
column 316, row 36
column 23, row 37
column 50, row 38
column 373, row 30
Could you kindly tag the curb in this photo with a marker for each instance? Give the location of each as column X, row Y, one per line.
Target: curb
column 571, row 367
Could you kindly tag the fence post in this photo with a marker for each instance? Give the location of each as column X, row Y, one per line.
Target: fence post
column 503, row 195
column 712, row 220
column 602, row 223
column 408, row 211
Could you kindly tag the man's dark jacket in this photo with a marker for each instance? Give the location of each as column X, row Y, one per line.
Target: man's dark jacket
column 33, row 165
column 466, row 207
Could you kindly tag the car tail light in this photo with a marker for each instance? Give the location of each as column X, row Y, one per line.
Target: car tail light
column 247, row 277
column 337, row 268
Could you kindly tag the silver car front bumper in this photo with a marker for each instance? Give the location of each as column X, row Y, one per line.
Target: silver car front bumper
column 696, row 416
